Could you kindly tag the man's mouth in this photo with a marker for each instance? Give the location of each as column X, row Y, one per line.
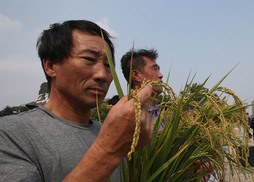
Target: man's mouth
column 98, row 90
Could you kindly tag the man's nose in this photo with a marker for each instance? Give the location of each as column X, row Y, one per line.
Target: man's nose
column 100, row 72
column 160, row 75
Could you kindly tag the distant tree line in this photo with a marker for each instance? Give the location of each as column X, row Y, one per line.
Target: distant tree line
column 13, row 110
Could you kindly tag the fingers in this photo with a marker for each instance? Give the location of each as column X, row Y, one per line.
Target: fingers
column 145, row 94
column 149, row 128
column 146, row 128
column 146, row 124
column 122, row 100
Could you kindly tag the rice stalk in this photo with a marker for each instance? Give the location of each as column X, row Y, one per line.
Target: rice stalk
column 137, row 127
column 97, row 108
column 112, row 68
column 209, row 137
column 214, row 129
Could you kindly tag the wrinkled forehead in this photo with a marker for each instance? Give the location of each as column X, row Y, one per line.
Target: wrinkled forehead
column 83, row 41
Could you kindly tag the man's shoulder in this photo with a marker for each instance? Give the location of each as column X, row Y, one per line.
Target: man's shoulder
column 252, row 123
column 21, row 119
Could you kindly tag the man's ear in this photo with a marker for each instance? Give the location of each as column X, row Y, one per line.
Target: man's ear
column 49, row 68
column 136, row 75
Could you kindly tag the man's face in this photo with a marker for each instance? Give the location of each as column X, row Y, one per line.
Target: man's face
column 152, row 72
column 85, row 73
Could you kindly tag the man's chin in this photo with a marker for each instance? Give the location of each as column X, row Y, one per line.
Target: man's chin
column 94, row 103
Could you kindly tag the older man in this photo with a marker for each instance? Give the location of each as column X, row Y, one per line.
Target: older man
column 58, row 141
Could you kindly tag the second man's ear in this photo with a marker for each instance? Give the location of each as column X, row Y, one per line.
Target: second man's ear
column 137, row 76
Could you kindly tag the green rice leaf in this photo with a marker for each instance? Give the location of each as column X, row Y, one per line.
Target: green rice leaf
column 113, row 71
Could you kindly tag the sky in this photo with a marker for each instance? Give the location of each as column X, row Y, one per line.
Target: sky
column 202, row 37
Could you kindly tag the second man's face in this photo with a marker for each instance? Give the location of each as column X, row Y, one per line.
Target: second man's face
column 152, row 72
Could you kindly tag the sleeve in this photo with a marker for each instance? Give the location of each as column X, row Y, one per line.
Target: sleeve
column 252, row 123
column 15, row 163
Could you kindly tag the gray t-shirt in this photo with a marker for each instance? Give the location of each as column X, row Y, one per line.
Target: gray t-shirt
column 39, row 146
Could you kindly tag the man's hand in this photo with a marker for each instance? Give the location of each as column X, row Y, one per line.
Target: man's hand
column 202, row 168
column 117, row 131
column 114, row 140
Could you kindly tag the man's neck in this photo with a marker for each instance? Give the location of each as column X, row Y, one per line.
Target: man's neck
column 68, row 112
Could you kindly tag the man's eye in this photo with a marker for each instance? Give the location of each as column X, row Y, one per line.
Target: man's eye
column 157, row 68
column 88, row 58
column 107, row 65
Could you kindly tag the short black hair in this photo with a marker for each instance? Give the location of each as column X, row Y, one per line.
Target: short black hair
column 55, row 43
column 138, row 60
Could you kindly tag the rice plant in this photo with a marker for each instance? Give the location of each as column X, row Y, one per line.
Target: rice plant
column 198, row 133
column 209, row 138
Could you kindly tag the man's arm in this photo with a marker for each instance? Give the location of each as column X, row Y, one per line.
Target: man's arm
column 114, row 140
